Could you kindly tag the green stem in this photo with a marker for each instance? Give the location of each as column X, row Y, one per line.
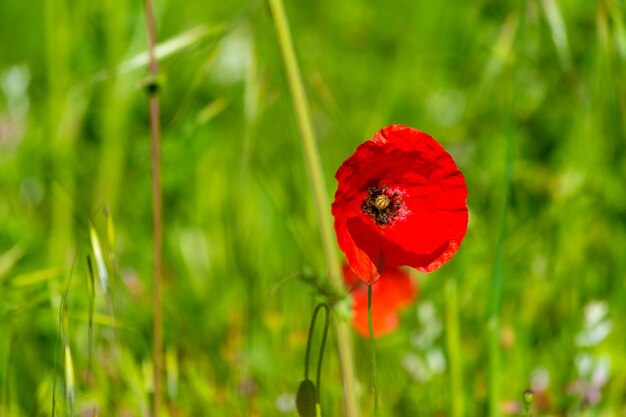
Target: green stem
column 370, row 324
column 495, row 296
column 322, row 204
column 493, row 343
column 453, row 346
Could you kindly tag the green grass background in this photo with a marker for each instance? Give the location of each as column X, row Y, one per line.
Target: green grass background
column 528, row 96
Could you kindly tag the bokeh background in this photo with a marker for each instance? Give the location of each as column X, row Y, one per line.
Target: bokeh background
column 528, row 96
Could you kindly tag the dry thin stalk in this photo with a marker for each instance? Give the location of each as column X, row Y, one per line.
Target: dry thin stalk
column 157, row 207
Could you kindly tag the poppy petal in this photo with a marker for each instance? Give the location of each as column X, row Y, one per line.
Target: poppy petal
column 393, row 291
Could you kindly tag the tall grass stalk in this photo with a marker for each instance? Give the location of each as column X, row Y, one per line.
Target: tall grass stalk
column 157, row 207
column 453, row 346
column 316, row 177
column 495, row 296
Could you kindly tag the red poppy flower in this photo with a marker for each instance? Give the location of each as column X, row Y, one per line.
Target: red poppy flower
column 401, row 200
column 393, row 291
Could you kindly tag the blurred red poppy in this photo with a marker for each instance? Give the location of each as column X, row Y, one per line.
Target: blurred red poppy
column 392, row 292
column 401, row 200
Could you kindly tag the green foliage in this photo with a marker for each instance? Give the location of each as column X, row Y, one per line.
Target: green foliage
column 543, row 76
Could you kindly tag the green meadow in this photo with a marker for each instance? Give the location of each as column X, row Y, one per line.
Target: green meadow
column 529, row 97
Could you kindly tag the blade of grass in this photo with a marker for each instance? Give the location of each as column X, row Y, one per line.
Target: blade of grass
column 6, row 339
column 8, row 260
column 172, row 46
column 91, row 289
column 103, row 274
column 110, row 234
column 322, row 205
column 251, row 110
column 63, row 340
column 502, row 51
column 557, row 28
column 114, row 117
column 58, row 44
column 182, row 42
column 135, row 382
column 172, row 371
column 35, row 278
column 114, row 274
column 70, row 381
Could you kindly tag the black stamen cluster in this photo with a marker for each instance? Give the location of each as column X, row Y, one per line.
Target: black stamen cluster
column 381, row 217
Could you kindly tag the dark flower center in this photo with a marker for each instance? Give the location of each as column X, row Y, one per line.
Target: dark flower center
column 381, row 204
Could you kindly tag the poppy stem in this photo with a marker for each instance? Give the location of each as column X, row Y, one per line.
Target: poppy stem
column 318, row 185
column 370, row 325
column 322, row 347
